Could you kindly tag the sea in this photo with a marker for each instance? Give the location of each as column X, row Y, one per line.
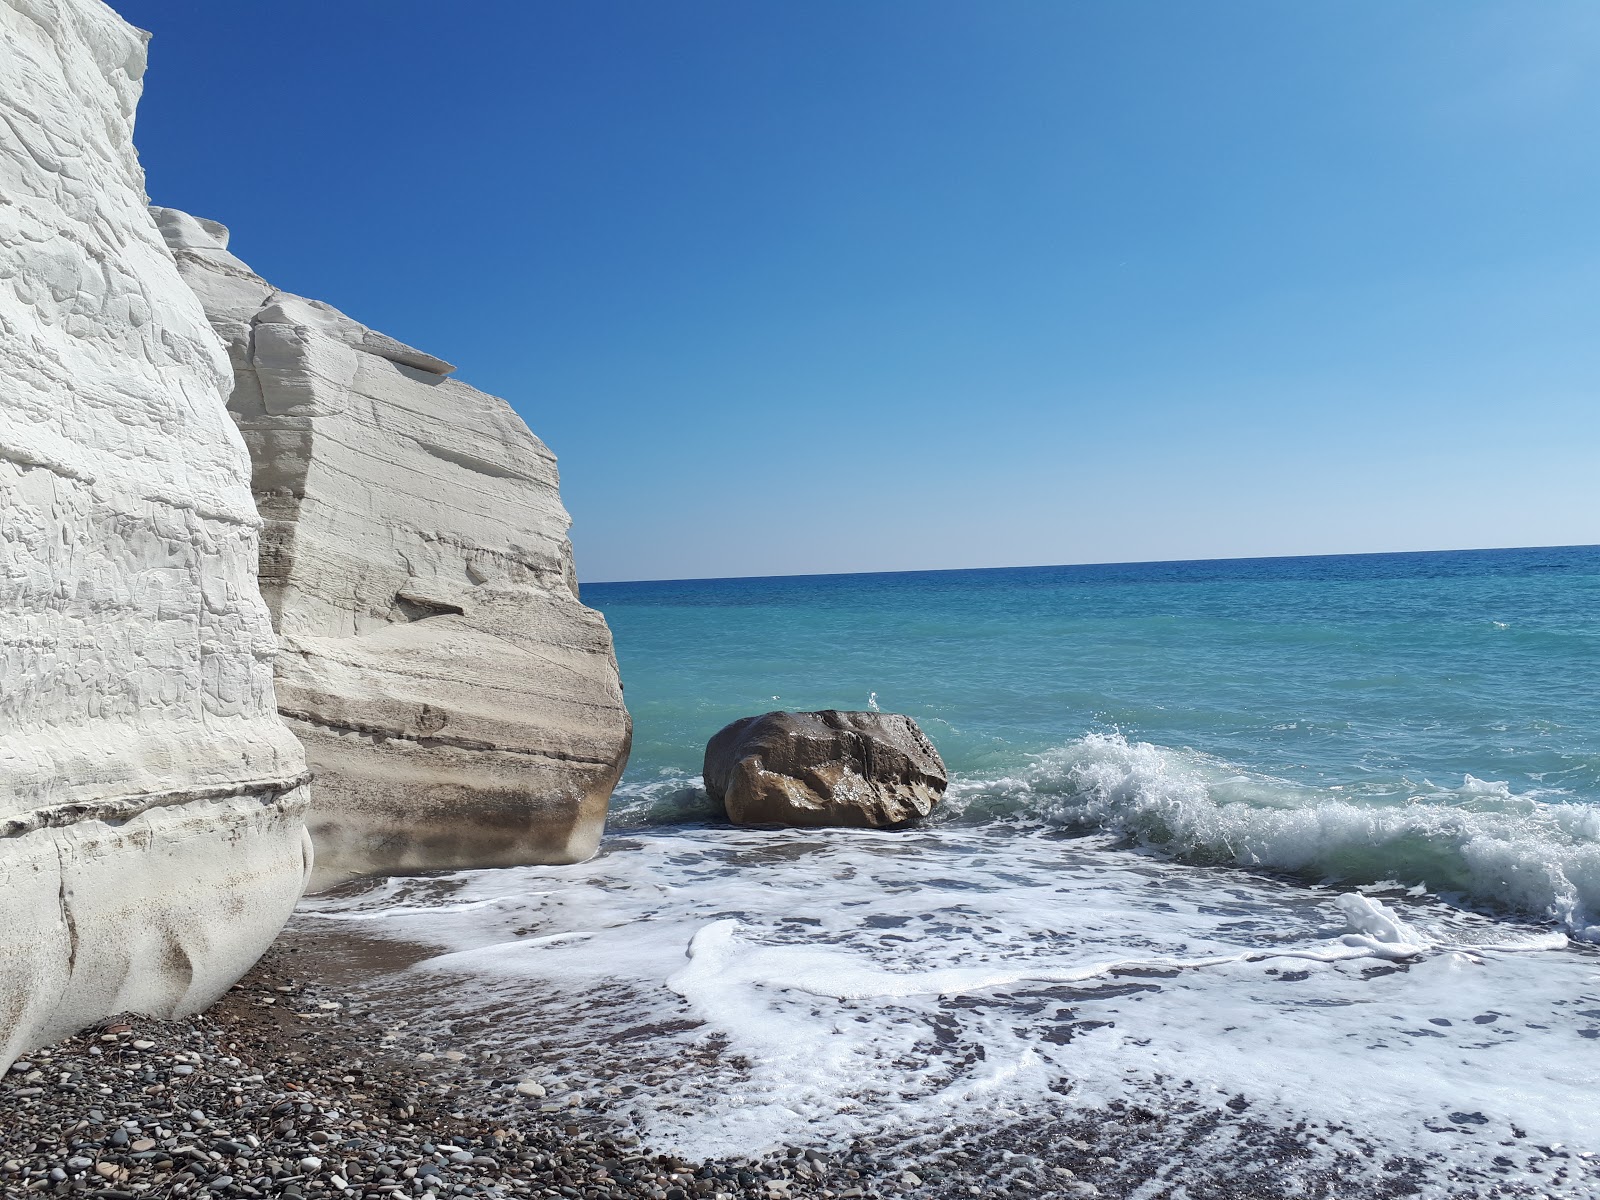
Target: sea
column 1300, row 854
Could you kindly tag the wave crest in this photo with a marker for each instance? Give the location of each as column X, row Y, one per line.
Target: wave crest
column 1479, row 840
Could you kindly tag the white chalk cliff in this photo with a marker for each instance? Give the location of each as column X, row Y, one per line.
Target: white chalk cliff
column 152, row 839
column 459, row 706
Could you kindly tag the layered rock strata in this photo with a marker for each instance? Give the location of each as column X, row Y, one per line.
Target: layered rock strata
column 152, row 839
column 458, row 704
column 858, row 769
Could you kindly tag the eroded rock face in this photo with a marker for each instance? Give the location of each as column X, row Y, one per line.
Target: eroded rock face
column 859, row 769
column 152, row 839
column 458, row 705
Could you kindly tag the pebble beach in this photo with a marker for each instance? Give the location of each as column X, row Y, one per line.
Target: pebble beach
column 289, row 1088
column 283, row 1089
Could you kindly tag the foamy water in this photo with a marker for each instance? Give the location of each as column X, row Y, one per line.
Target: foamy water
column 1532, row 854
column 782, row 988
column 1310, row 847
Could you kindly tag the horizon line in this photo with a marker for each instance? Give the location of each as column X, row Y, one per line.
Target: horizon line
column 1143, row 562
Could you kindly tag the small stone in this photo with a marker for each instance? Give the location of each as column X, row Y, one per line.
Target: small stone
column 143, row 1044
column 310, row 1163
column 140, row 1145
column 528, row 1087
column 183, row 1069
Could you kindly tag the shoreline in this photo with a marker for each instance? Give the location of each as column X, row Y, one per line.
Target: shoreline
column 291, row 1087
column 287, row 1088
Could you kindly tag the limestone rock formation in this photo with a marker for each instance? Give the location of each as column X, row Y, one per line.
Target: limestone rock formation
column 458, row 705
column 859, row 769
column 152, row 839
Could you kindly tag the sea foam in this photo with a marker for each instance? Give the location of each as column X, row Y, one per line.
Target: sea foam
column 1530, row 854
column 1534, row 853
column 748, row 989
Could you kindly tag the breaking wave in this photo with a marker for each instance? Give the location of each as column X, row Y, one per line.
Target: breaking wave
column 1528, row 853
column 1480, row 841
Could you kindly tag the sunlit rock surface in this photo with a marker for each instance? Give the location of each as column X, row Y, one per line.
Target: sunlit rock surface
column 152, row 839
column 458, row 705
column 862, row 769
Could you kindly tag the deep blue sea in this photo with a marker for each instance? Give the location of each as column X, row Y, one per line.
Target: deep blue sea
column 1295, row 851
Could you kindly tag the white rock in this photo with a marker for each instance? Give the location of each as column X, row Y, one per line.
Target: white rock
column 458, row 704
column 151, row 804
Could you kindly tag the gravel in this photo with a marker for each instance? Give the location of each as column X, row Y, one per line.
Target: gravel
column 285, row 1090
column 282, row 1090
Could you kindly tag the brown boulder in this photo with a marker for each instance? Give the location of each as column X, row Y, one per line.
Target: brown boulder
column 859, row 769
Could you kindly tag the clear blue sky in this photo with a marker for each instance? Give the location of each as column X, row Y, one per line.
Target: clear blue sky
column 843, row 285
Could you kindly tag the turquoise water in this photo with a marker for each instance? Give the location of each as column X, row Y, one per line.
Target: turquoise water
column 1428, row 718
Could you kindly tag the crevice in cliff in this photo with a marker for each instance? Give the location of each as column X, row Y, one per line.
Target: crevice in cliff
column 471, row 462
column 212, row 260
column 415, row 608
column 435, row 741
column 116, row 810
column 63, row 898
